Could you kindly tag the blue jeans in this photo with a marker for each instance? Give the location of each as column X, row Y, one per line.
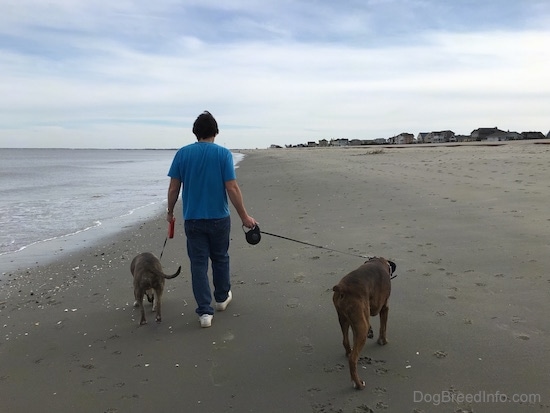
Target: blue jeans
column 208, row 239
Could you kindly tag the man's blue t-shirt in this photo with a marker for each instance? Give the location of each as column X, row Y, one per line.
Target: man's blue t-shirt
column 203, row 168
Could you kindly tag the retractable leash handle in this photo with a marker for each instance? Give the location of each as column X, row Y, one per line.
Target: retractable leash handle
column 253, row 235
column 171, row 228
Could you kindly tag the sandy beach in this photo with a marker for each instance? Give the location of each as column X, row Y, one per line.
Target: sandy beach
column 468, row 330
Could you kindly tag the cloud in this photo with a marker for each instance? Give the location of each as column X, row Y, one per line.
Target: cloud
column 97, row 77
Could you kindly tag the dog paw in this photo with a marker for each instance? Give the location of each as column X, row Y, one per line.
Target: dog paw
column 158, row 319
column 382, row 341
column 370, row 334
column 359, row 386
column 142, row 322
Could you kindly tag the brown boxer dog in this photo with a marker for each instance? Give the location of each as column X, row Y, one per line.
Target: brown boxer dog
column 363, row 293
column 149, row 279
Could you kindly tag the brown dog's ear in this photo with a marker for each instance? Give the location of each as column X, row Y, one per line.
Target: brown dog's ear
column 393, row 266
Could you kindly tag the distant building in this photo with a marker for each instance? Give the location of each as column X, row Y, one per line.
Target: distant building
column 443, row 136
column 503, row 136
column 532, row 135
column 339, row 142
column 481, row 134
column 402, row 139
column 323, row 143
column 463, row 138
column 421, row 137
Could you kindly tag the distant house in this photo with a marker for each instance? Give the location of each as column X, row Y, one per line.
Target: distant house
column 421, row 137
column 311, row 144
column 402, row 139
column 463, row 138
column 339, row 142
column 382, row 141
column 356, row 142
column 323, row 142
column 532, row 135
column 481, row 134
column 504, row 136
column 439, row 137
column 275, row 147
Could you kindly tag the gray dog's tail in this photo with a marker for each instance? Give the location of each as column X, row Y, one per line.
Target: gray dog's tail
column 173, row 275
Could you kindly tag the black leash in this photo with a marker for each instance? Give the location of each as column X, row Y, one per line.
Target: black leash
column 316, row 246
column 392, row 275
column 162, row 252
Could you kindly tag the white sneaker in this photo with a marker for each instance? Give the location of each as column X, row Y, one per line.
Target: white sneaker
column 223, row 305
column 206, row 320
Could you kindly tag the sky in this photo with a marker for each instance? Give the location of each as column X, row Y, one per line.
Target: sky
column 137, row 73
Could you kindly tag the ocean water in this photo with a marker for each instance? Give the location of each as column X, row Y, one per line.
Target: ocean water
column 48, row 194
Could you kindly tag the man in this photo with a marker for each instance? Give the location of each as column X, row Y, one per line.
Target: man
column 206, row 174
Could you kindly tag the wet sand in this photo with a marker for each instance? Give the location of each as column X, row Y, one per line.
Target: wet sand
column 467, row 226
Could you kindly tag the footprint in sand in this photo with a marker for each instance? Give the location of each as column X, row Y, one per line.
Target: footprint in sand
column 363, row 409
column 306, row 347
column 299, row 278
column 293, row 303
column 379, row 390
column 363, row 361
column 523, row 337
column 338, row 367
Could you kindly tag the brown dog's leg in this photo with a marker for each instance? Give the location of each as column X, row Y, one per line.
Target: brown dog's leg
column 344, row 325
column 383, row 322
column 359, row 326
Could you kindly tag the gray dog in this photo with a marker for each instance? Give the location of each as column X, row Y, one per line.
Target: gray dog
column 149, row 279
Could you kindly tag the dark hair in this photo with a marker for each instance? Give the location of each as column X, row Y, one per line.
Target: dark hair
column 205, row 126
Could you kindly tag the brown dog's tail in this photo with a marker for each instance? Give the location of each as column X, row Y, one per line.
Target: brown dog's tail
column 173, row 275
column 339, row 291
column 341, row 288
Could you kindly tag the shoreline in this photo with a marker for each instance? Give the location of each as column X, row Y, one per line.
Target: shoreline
column 467, row 230
column 44, row 251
